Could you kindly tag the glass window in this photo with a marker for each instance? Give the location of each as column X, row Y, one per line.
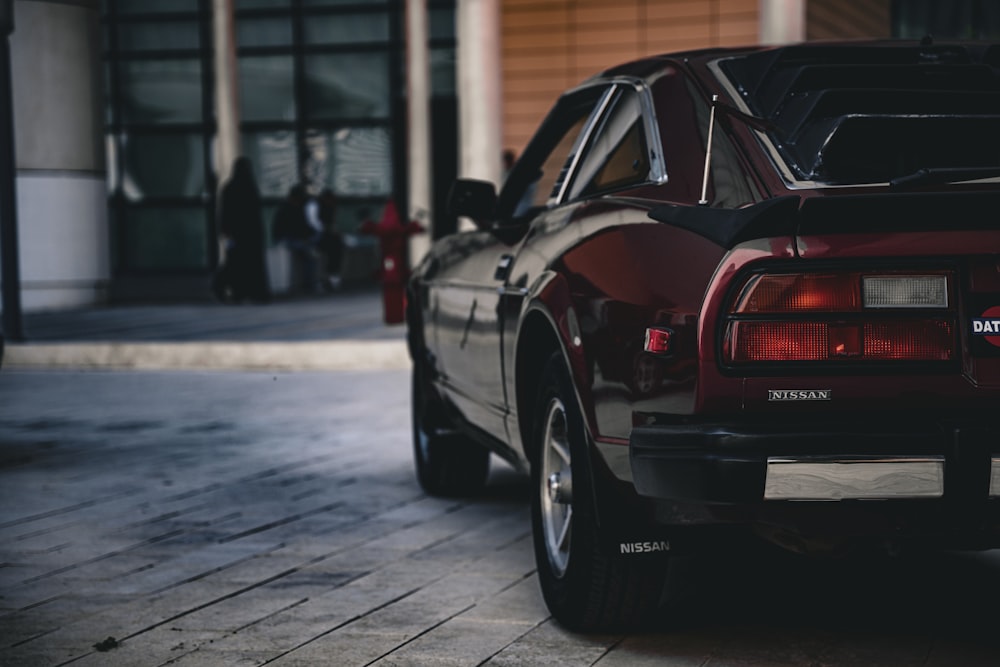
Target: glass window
column 959, row 19
column 537, row 178
column 274, row 158
column 268, row 213
column 350, row 215
column 267, row 88
column 355, row 161
column 161, row 91
column 162, row 165
column 546, row 186
column 263, row 32
column 166, row 238
column 158, row 36
column 118, row 260
column 131, row 7
column 332, row 3
column 316, row 105
column 261, row 4
column 347, row 28
column 441, row 23
column 617, row 156
column 442, row 66
column 109, row 107
column 347, row 85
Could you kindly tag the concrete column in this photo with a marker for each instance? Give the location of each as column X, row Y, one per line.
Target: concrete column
column 479, row 91
column 418, row 84
column 10, row 253
column 782, row 21
column 61, row 179
column 227, row 94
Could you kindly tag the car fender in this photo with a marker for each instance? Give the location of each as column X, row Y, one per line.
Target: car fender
column 549, row 305
column 549, row 298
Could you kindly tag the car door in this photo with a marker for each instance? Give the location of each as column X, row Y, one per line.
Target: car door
column 472, row 295
column 467, row 328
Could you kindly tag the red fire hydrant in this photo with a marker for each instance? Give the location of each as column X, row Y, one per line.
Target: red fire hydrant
column 393, row 238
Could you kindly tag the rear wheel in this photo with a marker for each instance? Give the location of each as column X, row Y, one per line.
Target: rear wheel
column 447, row 462
column 585, row 587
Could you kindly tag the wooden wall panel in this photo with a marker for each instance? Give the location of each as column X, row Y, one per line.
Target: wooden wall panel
column 738, row 30
column 663, row 35
column 534, row 17
column 848, row 19
column 727, row 7
column 515, row 41
column 680, row 10
column 550, row 45
column 606, row 14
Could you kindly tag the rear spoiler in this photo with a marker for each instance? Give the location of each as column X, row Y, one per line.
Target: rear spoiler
column 792, row 215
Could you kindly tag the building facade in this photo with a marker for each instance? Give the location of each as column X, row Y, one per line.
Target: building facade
column 319, row 100
column 117, row 111
column 58, row 105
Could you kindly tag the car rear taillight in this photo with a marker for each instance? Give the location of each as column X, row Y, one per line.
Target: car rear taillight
column 846, row 317
column 794, row 293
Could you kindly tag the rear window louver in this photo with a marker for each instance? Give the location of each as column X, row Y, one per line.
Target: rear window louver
column 873, row 113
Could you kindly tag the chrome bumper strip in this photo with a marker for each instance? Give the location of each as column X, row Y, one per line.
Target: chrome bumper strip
column 867, row 478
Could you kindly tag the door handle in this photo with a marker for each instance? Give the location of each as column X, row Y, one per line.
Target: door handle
column 503, row 267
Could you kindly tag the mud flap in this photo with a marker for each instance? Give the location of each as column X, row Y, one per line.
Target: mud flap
column 625, row 523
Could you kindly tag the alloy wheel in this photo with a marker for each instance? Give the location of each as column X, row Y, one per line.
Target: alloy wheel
column 556, row 488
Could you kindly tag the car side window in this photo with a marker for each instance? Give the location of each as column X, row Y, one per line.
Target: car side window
column 619, row 155
column 539, row 177
column 553, row 170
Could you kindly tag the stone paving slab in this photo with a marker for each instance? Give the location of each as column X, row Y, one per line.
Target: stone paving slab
column 343, row 355
column 342, row 331
column 231, row 518
column 348, row 315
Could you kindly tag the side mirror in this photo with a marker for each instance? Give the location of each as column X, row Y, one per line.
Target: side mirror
column 473, row 199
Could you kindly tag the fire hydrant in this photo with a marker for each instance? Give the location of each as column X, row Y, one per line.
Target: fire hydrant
column 393, row 239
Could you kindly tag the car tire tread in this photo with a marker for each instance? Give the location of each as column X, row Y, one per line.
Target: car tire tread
column 597, row 592
column 448, row 463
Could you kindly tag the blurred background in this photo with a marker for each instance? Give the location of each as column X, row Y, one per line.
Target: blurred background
column 127, row 113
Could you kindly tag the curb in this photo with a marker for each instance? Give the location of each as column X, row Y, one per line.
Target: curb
column 271, row 356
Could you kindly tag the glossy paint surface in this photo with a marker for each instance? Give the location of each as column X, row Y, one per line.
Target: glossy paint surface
column 594, row 273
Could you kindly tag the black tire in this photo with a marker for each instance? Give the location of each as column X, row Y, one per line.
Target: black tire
column 448, row 463
column 586, row 588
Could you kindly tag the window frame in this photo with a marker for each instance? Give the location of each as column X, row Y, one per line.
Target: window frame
column 577, row 190
column 602, row 96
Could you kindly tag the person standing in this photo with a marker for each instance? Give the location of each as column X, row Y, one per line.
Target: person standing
column 293, row 230
column 243, row 274
column 331, row 242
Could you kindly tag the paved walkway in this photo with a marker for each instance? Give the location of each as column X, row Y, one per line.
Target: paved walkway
column 206, row 519
column 341, row 331
column 249, row 517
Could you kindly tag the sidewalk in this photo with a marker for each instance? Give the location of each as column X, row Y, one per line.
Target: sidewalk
column 340, row 331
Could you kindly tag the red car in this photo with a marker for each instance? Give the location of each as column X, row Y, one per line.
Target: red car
column 728, row 292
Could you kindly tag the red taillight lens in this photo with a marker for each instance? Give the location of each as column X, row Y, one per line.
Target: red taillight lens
column 845, row 341
column 779, row 341
column 918, row 341
column 659, row 340
column 826, row 318
column 921, row 340
column 801, row 292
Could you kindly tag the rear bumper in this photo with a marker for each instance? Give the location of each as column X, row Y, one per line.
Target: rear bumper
column 754, row 462
column 853, row 477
